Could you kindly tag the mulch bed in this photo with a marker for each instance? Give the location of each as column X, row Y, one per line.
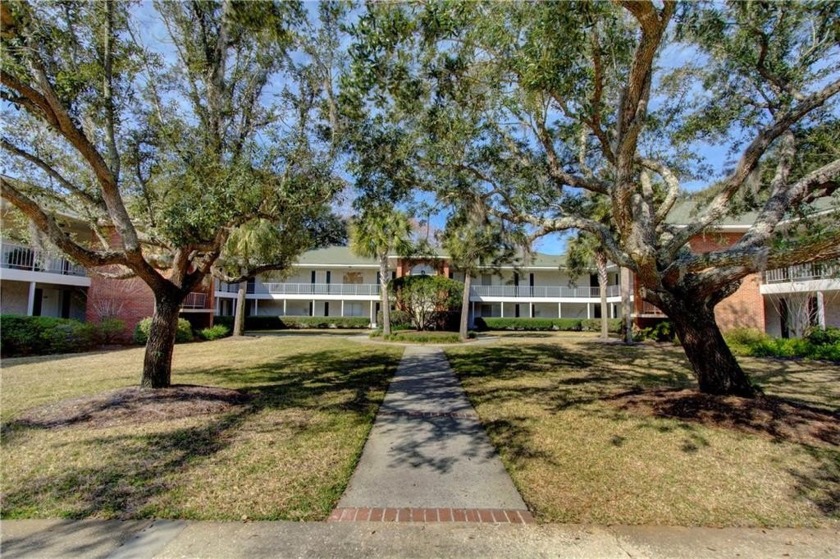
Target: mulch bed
column 769, row 416
column 130, row 406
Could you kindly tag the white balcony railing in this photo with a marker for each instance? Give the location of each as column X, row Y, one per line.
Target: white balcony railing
column 372, row 290
column 803, row 272
column 195, row 301
column 546, row 292
column 20, row 257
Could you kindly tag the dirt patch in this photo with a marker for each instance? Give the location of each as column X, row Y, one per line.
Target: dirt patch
column 770, row 416
column 129, row 406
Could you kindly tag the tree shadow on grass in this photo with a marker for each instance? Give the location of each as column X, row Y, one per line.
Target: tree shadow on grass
column 655, row 383
column 125, row 484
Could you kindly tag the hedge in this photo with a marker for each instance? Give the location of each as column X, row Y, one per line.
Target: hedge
column 296, row 322
column 535, row 324
column 183, row 334
column 304, row 322
column 819, row 344
column 43, row 335
column 594, row 325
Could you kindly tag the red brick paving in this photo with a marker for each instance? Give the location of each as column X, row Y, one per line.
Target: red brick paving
column 385, row 514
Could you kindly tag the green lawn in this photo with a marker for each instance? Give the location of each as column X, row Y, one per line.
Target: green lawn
column 287, row 453
column 563, row 412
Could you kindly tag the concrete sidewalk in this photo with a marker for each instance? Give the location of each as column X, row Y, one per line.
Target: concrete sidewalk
column 256, row 540
column 427, row 449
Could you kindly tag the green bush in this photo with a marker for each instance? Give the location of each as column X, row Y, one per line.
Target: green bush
column 431, row 302
column 424, row 337
column 819, row 344
column 214, row 332
column 594, row 325
column 341, row 322
column 42, row 335
column 660, row 332
column 829, row 336
column 296, row 322
column 532, row 324
column 183, row 334
column 400, row 320
column 111, row 330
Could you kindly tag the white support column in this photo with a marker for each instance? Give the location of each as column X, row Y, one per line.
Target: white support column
column 30, row 304
column 530, row 310
column 312, row 311
column 284, row 306
column 503, row 309
column 588, row 311
column 821, row 309
column 342, row 308
column 559, row 310
column 372, row 318
column 256, row 307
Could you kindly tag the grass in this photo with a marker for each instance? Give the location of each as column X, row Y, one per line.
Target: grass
column 287, row 453
column 552, row 406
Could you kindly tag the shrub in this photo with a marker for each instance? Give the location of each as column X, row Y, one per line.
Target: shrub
column 400, row 320
column 183, row 334
column 214, row 332
column 660, row 332
column 594, row 325
column 42, row 335
column 428, row 300
column 829, row 336
column 296, row 322
column 111, row 330
column 304, row 322
column 819, row 344
column 532, row 324
column 424, row 337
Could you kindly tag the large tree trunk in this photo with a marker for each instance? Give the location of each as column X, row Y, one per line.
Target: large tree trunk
column 603, row 278
column 239, row 313
column 157, row 364
column 386, row 303
column 715, row 367
column 465, row 308
column 626, row 281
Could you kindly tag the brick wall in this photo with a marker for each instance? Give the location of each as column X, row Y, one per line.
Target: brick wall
column 742, row 309
column 745, row 307
column 128, row 300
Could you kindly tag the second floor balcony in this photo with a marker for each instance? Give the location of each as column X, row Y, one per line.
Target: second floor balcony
column 804, row 272
column 478, row 292
column 25, row 258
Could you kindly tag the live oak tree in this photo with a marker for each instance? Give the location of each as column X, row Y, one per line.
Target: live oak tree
column 648, row 86
column 164, row 154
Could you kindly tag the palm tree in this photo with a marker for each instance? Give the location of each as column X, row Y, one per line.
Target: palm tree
column 475, row 242
column 260, row 246
column 377, row 233
column 582, row 252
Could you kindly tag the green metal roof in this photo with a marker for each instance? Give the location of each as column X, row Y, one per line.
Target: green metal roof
column 334, row 256
column 685, row 211
column 343, row 256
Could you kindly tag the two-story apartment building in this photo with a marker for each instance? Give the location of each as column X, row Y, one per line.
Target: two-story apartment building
column 335, row 282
